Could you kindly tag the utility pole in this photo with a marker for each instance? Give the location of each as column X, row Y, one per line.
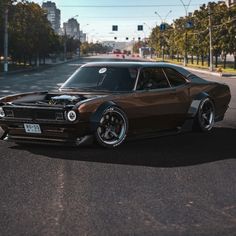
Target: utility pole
column 210, row 39
column 6, row 39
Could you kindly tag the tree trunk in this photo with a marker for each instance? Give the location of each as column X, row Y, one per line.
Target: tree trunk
column 202, row 56
column 225, row 60
column 24, row 60
column 192, row 58
column 216, row 61
column 235, row 61
column 197, row 59
column 37, row 60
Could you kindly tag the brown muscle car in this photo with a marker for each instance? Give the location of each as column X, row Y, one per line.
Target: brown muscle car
column 111, row 101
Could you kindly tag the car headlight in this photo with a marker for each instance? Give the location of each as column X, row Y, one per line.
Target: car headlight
column 71, row 116
column 2, row 113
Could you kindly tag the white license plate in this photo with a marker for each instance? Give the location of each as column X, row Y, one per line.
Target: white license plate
column 32, row 128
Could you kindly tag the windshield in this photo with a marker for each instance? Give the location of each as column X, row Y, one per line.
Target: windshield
column 103, row 78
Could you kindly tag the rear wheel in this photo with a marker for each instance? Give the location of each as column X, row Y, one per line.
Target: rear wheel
column 205, row 118
column 112, row 128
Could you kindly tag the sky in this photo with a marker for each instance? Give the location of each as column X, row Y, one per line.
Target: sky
column 96, row 17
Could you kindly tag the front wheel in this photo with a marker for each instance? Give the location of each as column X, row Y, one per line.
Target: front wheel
column 205, row 118
column 112, row 129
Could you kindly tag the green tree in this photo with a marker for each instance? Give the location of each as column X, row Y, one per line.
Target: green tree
column 30, row 34
column 178, row 39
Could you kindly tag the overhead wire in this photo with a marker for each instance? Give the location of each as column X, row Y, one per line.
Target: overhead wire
column 124, row 6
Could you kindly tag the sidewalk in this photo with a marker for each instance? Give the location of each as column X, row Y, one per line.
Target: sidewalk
column 204, row 71
column 48, row 64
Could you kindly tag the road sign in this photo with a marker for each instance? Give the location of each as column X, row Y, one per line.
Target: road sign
column 189, row 25
column 162, row 27
column 140, row 27
column 115, row 28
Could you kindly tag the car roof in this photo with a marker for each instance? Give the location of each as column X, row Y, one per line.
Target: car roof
column 140, row 64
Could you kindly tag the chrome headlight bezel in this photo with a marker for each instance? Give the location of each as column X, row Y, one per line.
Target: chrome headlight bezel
column 2, row 113
column 71, row 116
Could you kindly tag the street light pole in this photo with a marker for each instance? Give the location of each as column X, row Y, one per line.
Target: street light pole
column 162, row 37
column 163, row 20
column 186, row 33
column 210, row 39
column 6, row 39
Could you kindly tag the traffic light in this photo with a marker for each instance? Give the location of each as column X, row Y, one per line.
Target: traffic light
column 139, row 38
column 115, row 28
column 127, row 38
column 140, row 27
column 115, row 38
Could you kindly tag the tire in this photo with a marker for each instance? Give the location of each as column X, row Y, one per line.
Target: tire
column 112, row 129
column 205, row 117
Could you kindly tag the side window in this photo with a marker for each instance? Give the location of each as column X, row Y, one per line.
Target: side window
column 174, row 77
column 152, row 78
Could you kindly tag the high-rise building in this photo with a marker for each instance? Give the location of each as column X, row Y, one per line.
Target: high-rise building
column 72, row 28
column 83, row 37
column 53, row 15
column 230, row 2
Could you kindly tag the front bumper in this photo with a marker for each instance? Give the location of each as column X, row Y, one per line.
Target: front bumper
column 52, row 133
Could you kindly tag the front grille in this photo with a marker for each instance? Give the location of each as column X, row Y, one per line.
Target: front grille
column 23, row 114
column 9, row 113
column 43, row 115
column 34, row 114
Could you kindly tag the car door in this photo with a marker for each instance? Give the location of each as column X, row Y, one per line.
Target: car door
column 158, row 104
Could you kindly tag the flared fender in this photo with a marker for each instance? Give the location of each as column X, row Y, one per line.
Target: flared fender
column 193, row 109
column 97, row 115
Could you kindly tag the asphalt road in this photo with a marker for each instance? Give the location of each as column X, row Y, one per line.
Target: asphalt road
column 176, row 185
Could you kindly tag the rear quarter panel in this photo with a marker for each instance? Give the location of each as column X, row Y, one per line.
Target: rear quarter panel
column 219, row 93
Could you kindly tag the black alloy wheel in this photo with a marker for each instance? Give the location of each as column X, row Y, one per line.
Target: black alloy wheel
column 113, row 128
column 205, row 118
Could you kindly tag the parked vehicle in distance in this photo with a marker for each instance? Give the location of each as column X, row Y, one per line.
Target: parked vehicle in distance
column 111, row 101
column 117, row 51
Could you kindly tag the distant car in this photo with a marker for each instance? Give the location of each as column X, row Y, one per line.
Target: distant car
column 111, row 101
